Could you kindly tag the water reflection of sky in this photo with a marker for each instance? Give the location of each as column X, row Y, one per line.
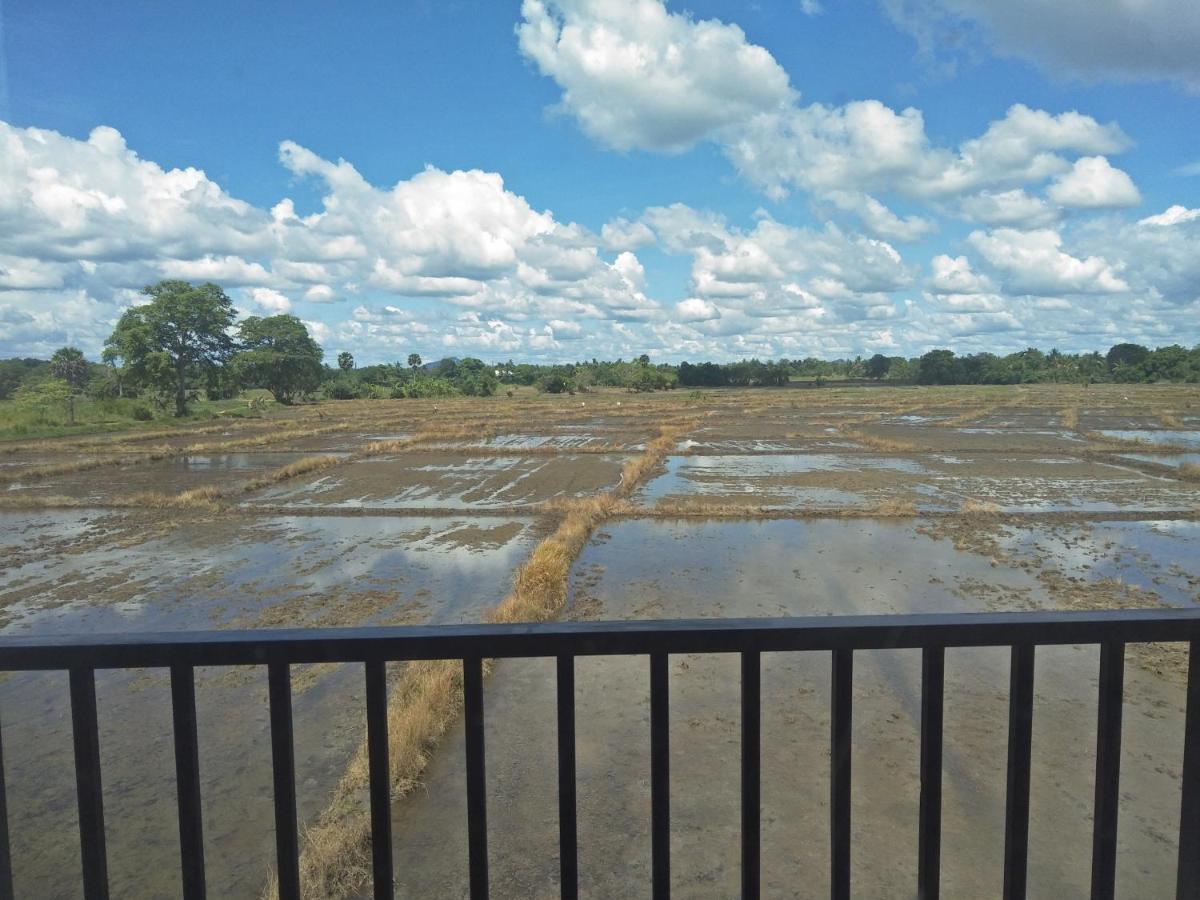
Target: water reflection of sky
column 185, row 580
column 451, row 483
column 1156, row 556
column 1156, row 436
column 745, row 474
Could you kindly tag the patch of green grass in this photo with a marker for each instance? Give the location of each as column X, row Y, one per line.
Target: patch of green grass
column 20, row 421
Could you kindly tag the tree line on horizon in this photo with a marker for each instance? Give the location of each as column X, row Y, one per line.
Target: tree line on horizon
column 185, row 340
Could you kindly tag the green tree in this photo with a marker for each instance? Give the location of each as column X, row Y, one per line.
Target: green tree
column 1126, row 355
column 414, row 360
column 345, row 361
column 111, row 357
column 175, row 338
column 937, row 367
column 42, row 393
column 68, row 365
column 877, row 366
column 278, row 354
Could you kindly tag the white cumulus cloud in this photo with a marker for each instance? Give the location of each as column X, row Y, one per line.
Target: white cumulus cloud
column 636, row 75
column 1093, row 183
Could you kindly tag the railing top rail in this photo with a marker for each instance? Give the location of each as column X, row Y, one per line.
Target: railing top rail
column 257, row 647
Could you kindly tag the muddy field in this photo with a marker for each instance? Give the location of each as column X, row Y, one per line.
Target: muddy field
column 757, row 503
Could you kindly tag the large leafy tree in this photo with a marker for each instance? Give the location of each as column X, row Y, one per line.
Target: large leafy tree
column 345, row 361
column 1126, row 355
column 878, row 366
column 278, row 354
column 176, row 338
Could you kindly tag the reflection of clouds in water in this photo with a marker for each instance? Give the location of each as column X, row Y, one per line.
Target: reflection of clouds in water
column 735, row 466
column 21, row 528
column 455, row 483
column 186, row 579
column 784, row 567
column 1156, row 436
column 1164, row 459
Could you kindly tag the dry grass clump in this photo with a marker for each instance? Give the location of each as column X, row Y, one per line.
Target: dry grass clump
column 1190, row 471
column 196, row 498
column 1070, row 417
column 638, row 467
column 336, row 862
column 1170, row 420
column 305, row 466
column 36, row 473
column 973, row 507
column 894, row 508
column 201, row 495
column 300, row 467
column 383, row 448
column 878, row 442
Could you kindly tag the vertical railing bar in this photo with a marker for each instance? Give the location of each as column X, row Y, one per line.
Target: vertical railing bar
column 187, row 781
column 380, row 779
column 86, row 733
column 6, row 873
column 1020, row 746
column 568, row 837
column 476, row 777
column 1188, row 872
column 660, row 778
column 841, row 719
column 1108, row 770
column 283, row 764
column 751, row 773
column 929, row 841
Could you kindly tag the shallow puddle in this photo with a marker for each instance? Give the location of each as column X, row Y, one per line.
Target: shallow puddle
column 1159, row 558
column 1165, row 437
column 83, row 572
column 774, row 480
column 660, row 570
column 448, row 481
column 1175, row 460
column 166, row 476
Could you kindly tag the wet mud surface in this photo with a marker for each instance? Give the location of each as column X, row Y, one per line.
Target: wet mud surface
column 447, row 480
column 126, row 573
column 657, row 570
column 996, row 498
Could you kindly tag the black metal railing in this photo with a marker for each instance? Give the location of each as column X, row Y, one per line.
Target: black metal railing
column 841, row 636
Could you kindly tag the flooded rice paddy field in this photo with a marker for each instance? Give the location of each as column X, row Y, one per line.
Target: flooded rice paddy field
column 450, row 481
column 93, row 571
column 768, row 503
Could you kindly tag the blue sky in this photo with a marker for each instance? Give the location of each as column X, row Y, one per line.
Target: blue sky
column 609, row 178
